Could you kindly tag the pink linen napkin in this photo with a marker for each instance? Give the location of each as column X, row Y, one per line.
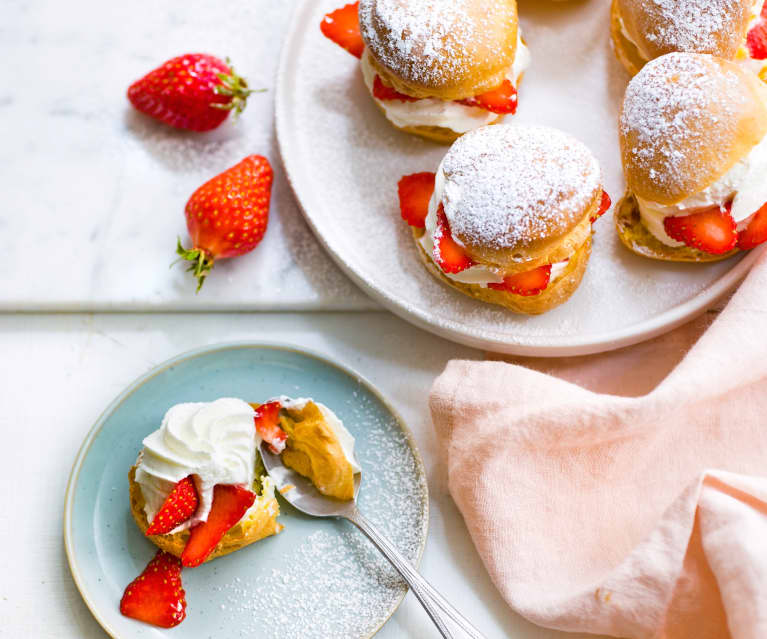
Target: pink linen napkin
column 641, row 517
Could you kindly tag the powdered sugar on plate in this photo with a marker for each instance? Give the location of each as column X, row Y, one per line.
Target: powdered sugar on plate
column 334, row 583
column 506, row 186
column 436, row 33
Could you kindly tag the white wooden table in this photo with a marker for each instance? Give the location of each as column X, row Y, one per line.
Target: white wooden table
column 93, row 196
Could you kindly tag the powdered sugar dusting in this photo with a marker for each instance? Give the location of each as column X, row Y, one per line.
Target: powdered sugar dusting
column 425, row 40
column 697, row 26
column 334, row 583
column 676, row 104
column 506, row 186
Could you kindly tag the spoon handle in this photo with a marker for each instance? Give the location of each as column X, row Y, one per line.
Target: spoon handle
column 434, row 603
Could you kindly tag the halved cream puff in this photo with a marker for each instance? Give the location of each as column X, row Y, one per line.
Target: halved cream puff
column 693, row 135
column 436, row 68
column 507, row 217
column 730, row 29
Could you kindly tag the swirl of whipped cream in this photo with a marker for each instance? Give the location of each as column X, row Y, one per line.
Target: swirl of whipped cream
column 215, row 442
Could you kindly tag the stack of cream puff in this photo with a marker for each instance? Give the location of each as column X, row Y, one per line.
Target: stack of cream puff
column 693, row 135
column 507, row 217
column 730, row 29
column 436, row 68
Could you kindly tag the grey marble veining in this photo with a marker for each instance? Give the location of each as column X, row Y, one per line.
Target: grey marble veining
column 94, row 192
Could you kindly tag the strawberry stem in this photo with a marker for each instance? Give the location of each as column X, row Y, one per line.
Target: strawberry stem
column 201, row 262
column 236, row 87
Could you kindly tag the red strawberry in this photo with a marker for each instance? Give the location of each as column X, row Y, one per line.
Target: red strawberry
column 195, row 91
column 604, row 205
column 414, row 194
column 178, row 506
column 501, row 100
column 227, row 216
column 382, row 92
column 756, row 232
column 757, row 37
column 528, row 283
column 711, row 230
column 342, row 26
column 268, row 426
column 447, row 252
column 156, row 595
column 229, row 505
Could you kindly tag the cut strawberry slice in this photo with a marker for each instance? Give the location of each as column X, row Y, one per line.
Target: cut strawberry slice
column 268, row 426
column 527, row 284
column 156, row 595
column 382, row 92
column 342, row 26
column 414, row 194
column 178, row 506
column 448, row 254
column 604, row 205
column 757, row 37
column 229, row 505
column 756, row 231
column 711, row 230
column 501, row 100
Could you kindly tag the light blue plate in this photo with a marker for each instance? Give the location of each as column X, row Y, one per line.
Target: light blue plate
column 316, row 579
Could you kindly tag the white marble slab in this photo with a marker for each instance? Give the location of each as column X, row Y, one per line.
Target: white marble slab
column 93, row 193
column 78, row 363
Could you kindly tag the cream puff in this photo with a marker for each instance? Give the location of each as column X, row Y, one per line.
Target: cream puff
column 730, row 29
column 693, row 136
column 199, row 489
column 436, row 68
column 507, row 217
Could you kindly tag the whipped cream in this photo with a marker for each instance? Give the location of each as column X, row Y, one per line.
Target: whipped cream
column 479, row 274
column 345, row 438
column 745, row 184
column 215, row 442
column 442, row 113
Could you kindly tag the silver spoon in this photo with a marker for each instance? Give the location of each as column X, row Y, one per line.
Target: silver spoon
column 302, row 494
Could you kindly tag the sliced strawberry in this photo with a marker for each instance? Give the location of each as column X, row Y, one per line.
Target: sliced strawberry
column 229, row 505
column 156, row 595
column 382, row 92
column 178, row 506
column 756, row 231
column 711, row 230
column 268, row 426
column 501, row 100
column 757, row 37
column 527, row 284
column 414, row 194
column 448, row 254
column 342, row 26
column 604, row 205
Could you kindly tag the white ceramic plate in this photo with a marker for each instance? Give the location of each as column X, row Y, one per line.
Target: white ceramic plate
column 344, row 160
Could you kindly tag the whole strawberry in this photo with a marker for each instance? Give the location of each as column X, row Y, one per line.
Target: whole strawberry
column 227, row 216
column 195, row 91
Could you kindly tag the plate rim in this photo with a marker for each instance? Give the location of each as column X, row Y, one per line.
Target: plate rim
column 554, row 346
column 133, row 386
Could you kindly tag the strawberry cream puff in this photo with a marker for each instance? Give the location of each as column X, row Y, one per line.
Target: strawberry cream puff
column 507, row 217
column 730, row 29
column 199, row 490
column 693, row 134
column 436, row 68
